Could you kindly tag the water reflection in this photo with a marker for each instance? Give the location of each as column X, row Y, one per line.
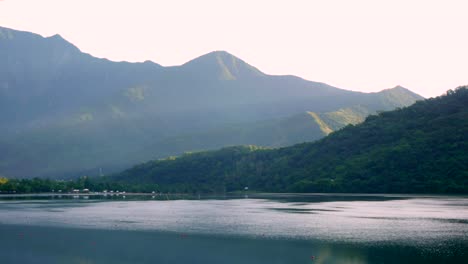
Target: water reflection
column 259, row 229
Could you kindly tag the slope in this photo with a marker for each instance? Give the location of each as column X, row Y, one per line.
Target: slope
column 417, row 149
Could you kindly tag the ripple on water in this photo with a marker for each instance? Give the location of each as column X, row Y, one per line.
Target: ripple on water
column 429, row 221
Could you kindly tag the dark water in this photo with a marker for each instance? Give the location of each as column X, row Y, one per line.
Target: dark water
column 263, row 229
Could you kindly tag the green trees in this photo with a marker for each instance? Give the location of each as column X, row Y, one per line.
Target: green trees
column 38, row 185
column 419, row 149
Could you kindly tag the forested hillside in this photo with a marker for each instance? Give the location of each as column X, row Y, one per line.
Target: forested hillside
column 418, row 149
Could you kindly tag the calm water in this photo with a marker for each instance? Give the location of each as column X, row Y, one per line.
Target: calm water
column 261, row 229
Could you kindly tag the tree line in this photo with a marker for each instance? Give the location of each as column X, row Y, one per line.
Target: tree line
column 422, row 148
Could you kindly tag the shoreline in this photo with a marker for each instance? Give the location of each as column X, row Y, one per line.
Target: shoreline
column 227, row 195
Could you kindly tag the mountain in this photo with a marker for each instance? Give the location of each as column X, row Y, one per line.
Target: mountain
column 44, row 80
column 65, row 113
column 416, row 149
column 221, row 65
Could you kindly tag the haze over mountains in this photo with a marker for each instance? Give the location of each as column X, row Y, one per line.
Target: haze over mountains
column 64, row 113
column 417, row 149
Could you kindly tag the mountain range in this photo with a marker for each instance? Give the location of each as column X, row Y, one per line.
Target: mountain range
column 65, row 113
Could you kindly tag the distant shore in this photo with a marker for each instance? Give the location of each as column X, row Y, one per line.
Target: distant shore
column 227, row 195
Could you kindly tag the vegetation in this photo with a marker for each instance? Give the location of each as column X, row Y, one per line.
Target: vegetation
column 37, row 185
column 417, row 149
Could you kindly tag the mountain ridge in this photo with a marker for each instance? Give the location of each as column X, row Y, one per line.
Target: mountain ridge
column 211, row 57
column 77, row 113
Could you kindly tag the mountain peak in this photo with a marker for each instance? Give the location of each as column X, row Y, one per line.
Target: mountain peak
column 57, row 37
column 399, row 87
column 19, row 38
column 219, row 53
column 222, row 65
column 59, row 40
column 401, row 90
column 216, row 54
column 399, row 96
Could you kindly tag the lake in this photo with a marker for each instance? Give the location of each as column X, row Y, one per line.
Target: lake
column 261, row 228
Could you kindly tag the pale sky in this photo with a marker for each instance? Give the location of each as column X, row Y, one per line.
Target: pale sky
column 363, row 45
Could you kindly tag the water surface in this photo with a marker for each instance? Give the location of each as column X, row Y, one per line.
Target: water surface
column 260, row 229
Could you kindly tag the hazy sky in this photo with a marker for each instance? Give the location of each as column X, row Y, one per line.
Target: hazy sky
column 364, row 45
